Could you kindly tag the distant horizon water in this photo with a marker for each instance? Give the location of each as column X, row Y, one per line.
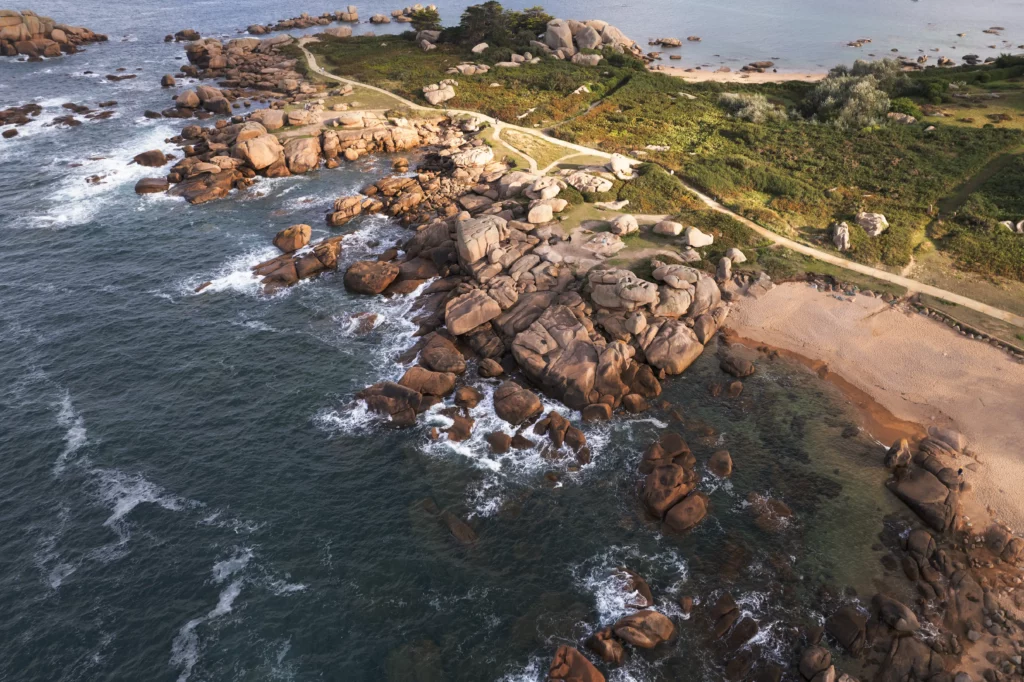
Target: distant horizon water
column 799, row 35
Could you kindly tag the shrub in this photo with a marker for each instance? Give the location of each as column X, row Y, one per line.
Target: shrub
column 905, row 105
column 750, row 107
column 888, row 73
column 426, row 20
column 848, row 102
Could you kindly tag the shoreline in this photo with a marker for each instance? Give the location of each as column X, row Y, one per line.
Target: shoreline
column 899, row 369
column 706, row 76
column 879, row 421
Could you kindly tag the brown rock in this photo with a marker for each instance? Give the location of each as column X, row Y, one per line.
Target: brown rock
column 424, row 381
column 467, row 397
column 732, row 363
column 151, row 185
column 597, row 412
column 720, row 464
column 515, row 404
column 815, row 659
column 400, row 403
column 293, row 238
column 634, row 403
column 489, row 368
column 645, row 629
column 607, row 648
column 687, row 513
column 500, row 442
column 370, row 277
column 461, row 428
column 154, row 158
column 665, row 486
column 469, row 311
column 441, row 355
column 459, row 529
column 570, row 665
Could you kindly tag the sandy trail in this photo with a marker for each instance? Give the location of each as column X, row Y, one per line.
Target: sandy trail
column 916, row 368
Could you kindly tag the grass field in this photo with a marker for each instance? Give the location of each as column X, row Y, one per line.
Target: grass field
column 542, row 151
column 792, row 175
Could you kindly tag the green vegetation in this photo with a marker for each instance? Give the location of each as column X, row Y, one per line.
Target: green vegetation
column 497, row 26
column 530, row 94
column 542, row 151
column 976, row 239
column 655, row 191
column 426, row 19
column 749, row 106
column 905, row 105
column 794, row 157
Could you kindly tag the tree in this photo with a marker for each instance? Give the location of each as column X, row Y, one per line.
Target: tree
column 426, row 20
column 532, row 20
column 488, row 21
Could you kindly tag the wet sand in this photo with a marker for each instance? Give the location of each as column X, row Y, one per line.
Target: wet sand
column 917, row 370
column 709, row 75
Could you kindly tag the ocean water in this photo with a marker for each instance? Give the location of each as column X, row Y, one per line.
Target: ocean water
column 189, row 493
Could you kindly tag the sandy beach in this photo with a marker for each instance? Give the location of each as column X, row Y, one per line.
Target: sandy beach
column 708, row 76
column 916, row 368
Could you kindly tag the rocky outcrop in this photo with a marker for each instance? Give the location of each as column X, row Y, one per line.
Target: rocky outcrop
column 841, row 236
column 515, row 404
column 31, row 35
column 370, row 277
column 873, row 223
column 290, row 268
column 645, row 629
column 572, row 666
column 293, row 238
column 438, row 93
column 304, row 20
column 564, row 39
column 469, row 311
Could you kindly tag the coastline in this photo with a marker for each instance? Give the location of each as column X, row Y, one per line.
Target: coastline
column 912, row 367
column 707, row 76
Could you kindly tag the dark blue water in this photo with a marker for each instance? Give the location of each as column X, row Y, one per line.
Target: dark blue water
column 189, row 494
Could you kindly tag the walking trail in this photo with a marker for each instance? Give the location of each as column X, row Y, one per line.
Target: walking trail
column 498, row 126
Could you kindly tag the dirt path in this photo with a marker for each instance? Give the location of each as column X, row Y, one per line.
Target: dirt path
column 909, row 284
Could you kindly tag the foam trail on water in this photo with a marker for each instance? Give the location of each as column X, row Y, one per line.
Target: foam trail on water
column 222, row 570
column 76, row 201
column 124, row 492
column 75, row 435
column 235, row 275
column 185, row 647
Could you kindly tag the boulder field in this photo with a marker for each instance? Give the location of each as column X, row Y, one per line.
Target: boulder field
column 31, row 35
column 946, row 608
column 305, row 20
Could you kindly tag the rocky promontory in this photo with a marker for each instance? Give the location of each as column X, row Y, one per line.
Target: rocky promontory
column 33, row 36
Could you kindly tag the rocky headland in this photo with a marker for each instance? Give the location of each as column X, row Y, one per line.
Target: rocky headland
column 27, row 34
column 506, row 295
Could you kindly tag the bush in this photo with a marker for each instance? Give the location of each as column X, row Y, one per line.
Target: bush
column 750, row 107
column 905, row 105
column 888, row 73
column 848, row 102
column 426, row 20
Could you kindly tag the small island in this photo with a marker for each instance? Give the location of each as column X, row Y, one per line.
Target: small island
column 28, row 34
